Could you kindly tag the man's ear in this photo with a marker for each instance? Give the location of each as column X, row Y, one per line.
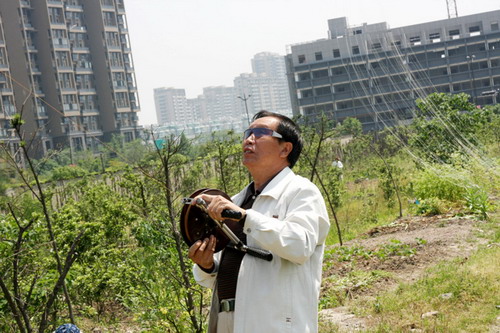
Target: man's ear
column 286, row 149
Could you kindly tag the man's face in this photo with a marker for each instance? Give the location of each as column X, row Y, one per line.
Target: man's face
column 266, row 151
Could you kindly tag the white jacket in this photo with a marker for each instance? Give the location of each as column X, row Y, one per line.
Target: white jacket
column 288, row 218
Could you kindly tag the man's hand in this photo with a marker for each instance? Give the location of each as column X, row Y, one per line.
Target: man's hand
column 202, row 252
column 217, row 203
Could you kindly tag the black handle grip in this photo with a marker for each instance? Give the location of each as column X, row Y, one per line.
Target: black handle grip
column 261, row 254
column 232, row 214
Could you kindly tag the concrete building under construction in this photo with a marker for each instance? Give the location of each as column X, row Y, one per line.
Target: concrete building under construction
column 375, row 73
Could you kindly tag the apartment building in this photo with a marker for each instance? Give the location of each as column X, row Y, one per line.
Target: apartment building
column 266, row 88
column 375, row 73
column 67, row 64
column 171, row 106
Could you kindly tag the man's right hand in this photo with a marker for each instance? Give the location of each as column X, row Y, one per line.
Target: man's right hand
column 202, row 252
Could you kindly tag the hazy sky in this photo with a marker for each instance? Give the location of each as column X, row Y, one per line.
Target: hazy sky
column 193, row 44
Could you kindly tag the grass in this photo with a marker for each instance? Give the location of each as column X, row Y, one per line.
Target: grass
column 473, row 286
column 364, row 208
column 464, row 293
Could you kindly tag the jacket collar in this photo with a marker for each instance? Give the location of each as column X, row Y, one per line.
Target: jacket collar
column 275, row 186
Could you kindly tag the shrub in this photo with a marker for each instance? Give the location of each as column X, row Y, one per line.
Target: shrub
column 441, row 182
column 476, row 202
column 68, row 172
column 431, row 206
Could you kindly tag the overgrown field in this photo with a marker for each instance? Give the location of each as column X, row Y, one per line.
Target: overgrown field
column 95, row 239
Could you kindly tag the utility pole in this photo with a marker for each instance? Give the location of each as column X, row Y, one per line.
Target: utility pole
column 451, row 6
column 245, row 98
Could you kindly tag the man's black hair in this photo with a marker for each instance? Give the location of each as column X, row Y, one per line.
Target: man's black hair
column 290, row 132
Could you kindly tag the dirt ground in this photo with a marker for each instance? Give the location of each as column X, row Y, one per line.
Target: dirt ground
column 446, row 237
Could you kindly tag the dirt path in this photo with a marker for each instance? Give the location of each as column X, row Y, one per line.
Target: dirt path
column 435, row 238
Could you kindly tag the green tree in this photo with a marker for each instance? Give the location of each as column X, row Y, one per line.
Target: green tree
column 351, row 126
column 446, row 125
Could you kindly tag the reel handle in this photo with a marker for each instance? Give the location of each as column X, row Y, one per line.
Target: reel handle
column 259, row 253
column 231, row 214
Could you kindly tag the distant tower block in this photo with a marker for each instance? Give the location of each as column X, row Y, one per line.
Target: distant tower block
column 452, row 8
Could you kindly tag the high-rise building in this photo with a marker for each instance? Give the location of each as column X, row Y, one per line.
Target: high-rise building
column 219, row 103
column 171, row 106
column 267, row 86
column 221, row 107
column 375, row 73
column 269, row 63
column 67, row 64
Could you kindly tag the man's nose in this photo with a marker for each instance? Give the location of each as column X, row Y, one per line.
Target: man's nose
column 250, row 138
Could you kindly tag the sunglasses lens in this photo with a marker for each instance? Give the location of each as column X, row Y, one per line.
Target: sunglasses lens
column 257, row 132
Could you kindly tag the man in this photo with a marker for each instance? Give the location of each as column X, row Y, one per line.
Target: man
column 337, row 163
column 282, row 213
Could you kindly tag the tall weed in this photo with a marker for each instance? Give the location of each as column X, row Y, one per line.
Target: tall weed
column 441, row 182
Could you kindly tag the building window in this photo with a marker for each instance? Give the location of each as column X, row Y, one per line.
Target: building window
column 342, row 106
column 340, row 88
column 66, row 81
column 119, row 80
column 323, row 91
column 56, row 15
column 396, row 43
column 109, row 19
column 3, row 56
column 74, row 19
column 307, row 93
column 304, row 76
column 357, row 32
column 121, row 100
column 112, row 39
column 78, row 40
column 115, row 59
column 88, row 102
column 355, row 49
column 494, row 26
column 69, row 103
column 454, row 34
column 494, row 45
column 435, row 37
column 84, row 81
column 302, row 59
column 415, row 40
column 475, row 30
column 376, row 46
column 82, row 60
column 320, row 73
column 318, row 56
column 62, row 59
column 336, row 53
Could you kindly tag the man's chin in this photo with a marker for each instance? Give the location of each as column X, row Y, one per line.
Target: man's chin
column 248, row 162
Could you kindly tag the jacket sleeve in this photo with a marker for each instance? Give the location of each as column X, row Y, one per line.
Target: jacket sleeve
column 295, row 235
column 207, row 279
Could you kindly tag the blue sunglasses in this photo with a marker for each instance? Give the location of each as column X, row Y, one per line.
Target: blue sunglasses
column 259, row 132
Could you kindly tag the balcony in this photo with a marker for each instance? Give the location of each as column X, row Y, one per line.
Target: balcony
column 89, row 111
column 78, row 8
column 60, row 43
column 9, row 110
column 86, row 91
column 6, row 91
column 70, row 107
column 303, row 84
column 324, row 98
column 321, row 81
